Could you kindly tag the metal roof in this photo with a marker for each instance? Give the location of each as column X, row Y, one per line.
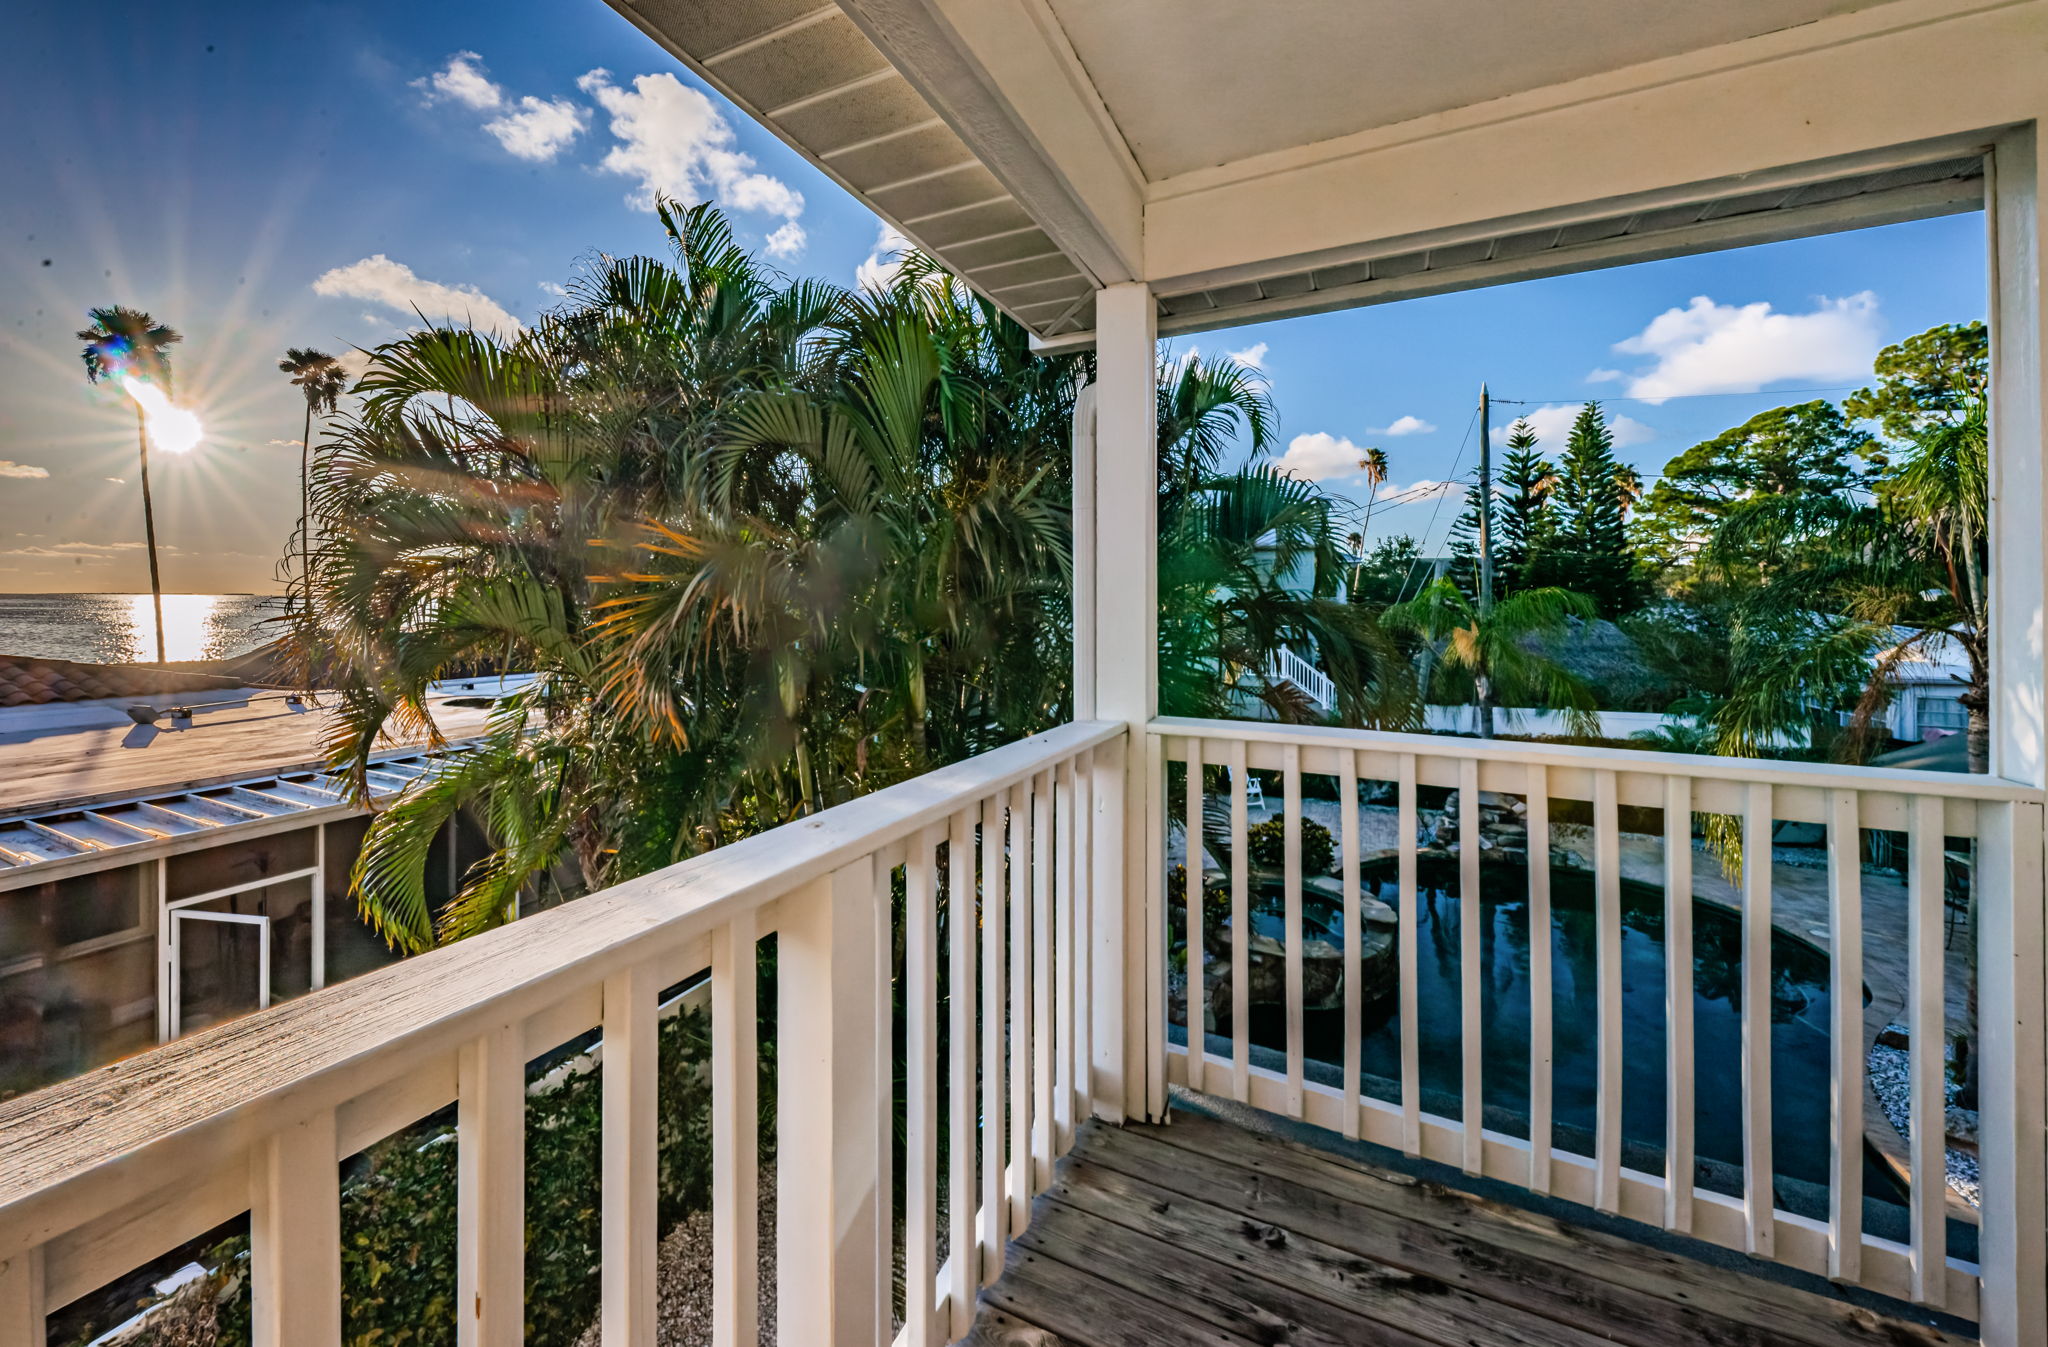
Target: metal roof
column 51, row 845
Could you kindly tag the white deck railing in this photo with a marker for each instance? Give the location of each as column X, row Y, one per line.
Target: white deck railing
column 1288, row 667
column 2004, row 820
column 106, row 1172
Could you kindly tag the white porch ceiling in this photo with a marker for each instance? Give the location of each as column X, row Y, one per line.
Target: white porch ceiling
column 1043, row 148
column 1200, row 83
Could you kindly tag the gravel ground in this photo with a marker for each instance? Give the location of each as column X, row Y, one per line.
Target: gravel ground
column 682, row 1279
column 1892, row 1085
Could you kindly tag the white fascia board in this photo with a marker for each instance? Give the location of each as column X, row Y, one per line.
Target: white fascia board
column 1911, row 72
column 1002, row 75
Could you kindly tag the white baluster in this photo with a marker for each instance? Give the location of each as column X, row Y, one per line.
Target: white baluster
column 22, row 1306
column 1678, row 1037
column 1926, row 1062
column 828, row 1261
column 1411, row 1034
column 631, row 1163
column 1471, row 972
column 490, row 1222
column 735, row 1135
column 921, row 1091
column 1845, row 1034
column 295, row 1236
column 1607, row 944
column 1536, row 792
column 1041, row 983
column 1290, row 776
column 1240, row 929
column 1351, row 933
column 1020, row 1008
column 995, row 1211
column 1195, row 996
column 1759, row 1203
column 963, row 1263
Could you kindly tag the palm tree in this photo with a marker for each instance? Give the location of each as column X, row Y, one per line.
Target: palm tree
column 321, row 379
column 766, row 545
column 1373, row 462
column 129, row 344
column 1494, row 649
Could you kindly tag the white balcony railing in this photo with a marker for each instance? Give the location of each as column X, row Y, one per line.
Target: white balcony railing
column 2003, row 823
column 1288, row 667
column 105, row 1172
column 1013, row 890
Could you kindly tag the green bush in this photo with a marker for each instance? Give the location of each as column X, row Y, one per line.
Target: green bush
column 1268, row 846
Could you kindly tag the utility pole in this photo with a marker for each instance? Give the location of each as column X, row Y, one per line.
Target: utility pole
column 1485, row 504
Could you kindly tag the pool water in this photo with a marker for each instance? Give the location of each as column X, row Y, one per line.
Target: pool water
column 1800, row 1007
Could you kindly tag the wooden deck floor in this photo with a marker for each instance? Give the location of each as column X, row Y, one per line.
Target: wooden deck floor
column 1202, row 1232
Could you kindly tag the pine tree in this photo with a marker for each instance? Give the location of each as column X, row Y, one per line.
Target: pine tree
column 1523, row 514
column 1522, row 518
column 1589, row 550
column 1464, row 542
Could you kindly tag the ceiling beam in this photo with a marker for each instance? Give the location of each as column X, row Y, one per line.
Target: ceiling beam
column 1000, row 83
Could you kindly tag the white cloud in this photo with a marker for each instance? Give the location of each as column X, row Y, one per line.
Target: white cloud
column 382, row 281
column 118, row 481
column 540, row 128
column 284, row 444
column 1320, row 456
column 1405, row 425
column 787, row 240
column 1251, row 357
column 674, row 140
column 1604, row 376
column 1552, row 423
column 550, row 288
column 878, row 273
column 462, row 81
column 1722, row 348
column 535, row 129
column 9, row 468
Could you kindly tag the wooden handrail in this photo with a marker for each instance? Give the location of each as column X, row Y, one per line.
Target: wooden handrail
column 79, row 1149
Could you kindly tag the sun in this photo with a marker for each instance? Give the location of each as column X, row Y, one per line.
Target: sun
column 174, row 430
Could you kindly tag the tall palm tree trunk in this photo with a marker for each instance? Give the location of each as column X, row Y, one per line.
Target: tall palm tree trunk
column 1484, row 687
column 305, row 505
column 156, row 584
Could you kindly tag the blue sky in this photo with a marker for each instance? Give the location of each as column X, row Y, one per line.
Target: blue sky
column 265, row 176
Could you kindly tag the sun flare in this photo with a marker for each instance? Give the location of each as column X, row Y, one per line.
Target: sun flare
column 174, row 430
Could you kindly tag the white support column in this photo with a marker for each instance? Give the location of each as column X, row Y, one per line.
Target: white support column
column 1122, row 551
column 2013, row 1305
column 826, row 1113
column 295, row 1237
column 2019, row 456
column 2010, row 1009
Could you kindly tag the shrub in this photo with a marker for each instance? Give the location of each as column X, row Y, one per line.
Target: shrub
column 1268, row 845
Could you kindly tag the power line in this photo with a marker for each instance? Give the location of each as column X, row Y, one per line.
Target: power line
column 1451, row 477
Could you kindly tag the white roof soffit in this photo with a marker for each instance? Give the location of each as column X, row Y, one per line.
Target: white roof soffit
column 1916, row 184
column 809, row 73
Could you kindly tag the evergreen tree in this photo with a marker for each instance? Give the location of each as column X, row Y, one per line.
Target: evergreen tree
column 1522, row 514
column 1589, row 550
column 1464, row 543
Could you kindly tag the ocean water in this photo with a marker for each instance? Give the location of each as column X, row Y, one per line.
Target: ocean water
column 121, row 628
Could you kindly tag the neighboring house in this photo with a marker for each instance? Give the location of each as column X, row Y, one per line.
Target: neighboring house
column 1926, row 690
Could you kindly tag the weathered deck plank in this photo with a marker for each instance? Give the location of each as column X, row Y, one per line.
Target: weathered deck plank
column 1202, row 1232
column 1781, row 1312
